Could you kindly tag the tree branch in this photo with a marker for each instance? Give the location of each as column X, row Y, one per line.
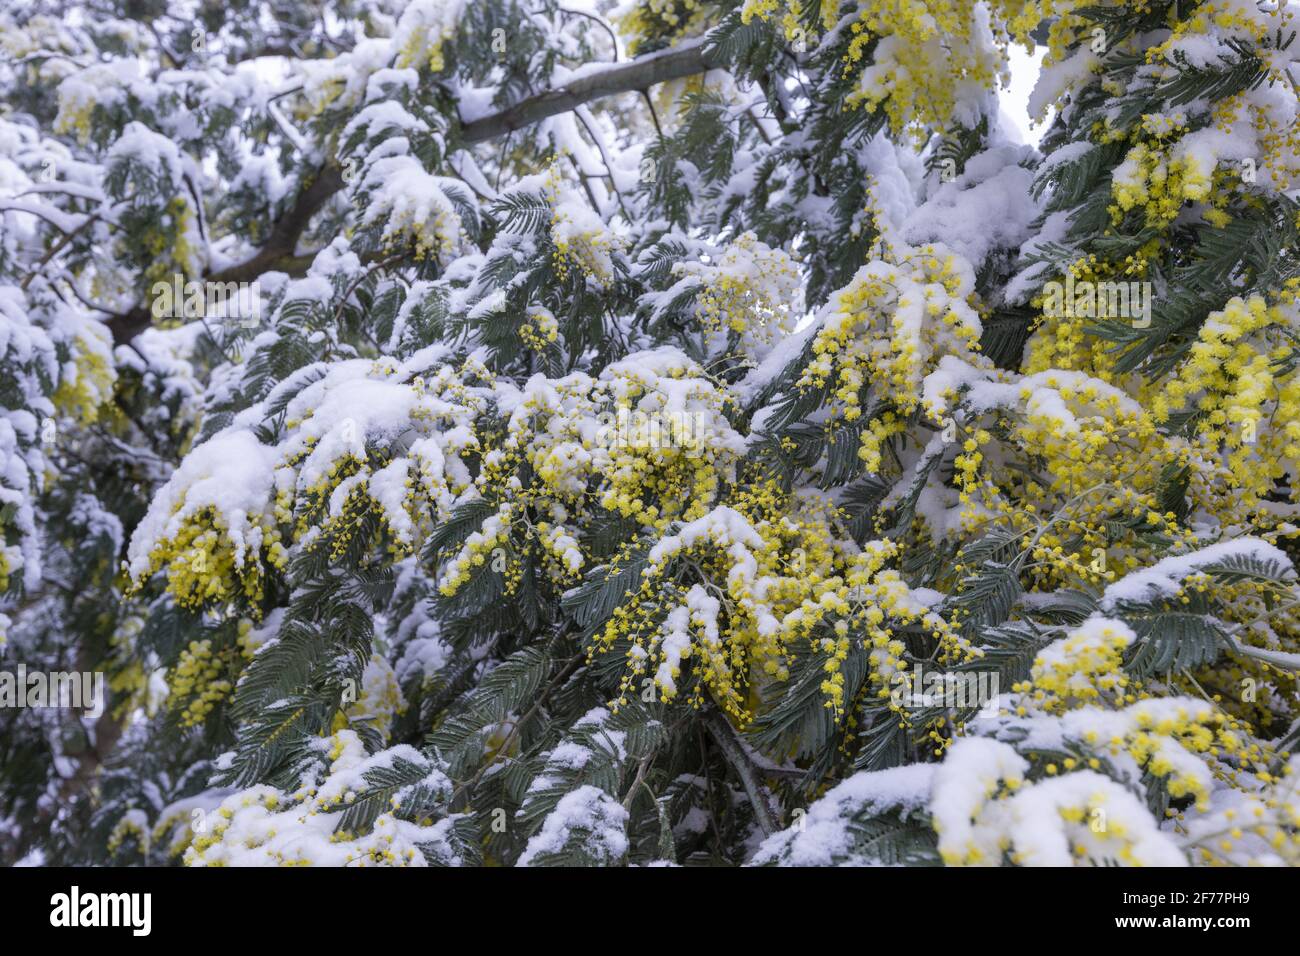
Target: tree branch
column 281, row 245
column 688, row 59
column 641, row 73
column 283, row 241
column 765, row 811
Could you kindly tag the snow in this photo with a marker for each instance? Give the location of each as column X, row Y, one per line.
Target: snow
column 821, row 837
column 406, row 199
column 723, row 526
column 1165, row 578
column 308, row 412
column 231, row 473
column 1056, row 79
column 989, row 206
column 587, row 816
column 264, row 826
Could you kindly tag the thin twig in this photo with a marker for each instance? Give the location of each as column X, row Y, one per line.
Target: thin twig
column 55, row 250
column 765, row 813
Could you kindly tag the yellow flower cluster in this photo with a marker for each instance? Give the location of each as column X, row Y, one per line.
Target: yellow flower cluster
column 478, row 550
column 421, row 33
column 1087, row 507
column 88, row 379
column 263, row 826
column 917, row 57
column 203, row 567
column 1184, row 741
column 1251, row 139
column 130, row 827
column 221, row 521
column 176, row 825
column 751, row 290
column 215, row 528
column 1083, row 669
column 1271, row 120
column 1259, row 826
column 434, row 226
column 659, row 475
column 889, row 328
column 168, row 246
column 653, row 20
column 767, row 574
column 1247, row 401
column 988, row 812
column 791, row 20
column 541, row 330
column 1152, row 178
column 561, row 551
column 1060, row 339
column 648, row 440
column 1244, row 683
column 579, row 238
column 1234, row 392
column 195, row 683
column 77, row 102
column 1078, row 695
column 922, row 61
column 877, row 602
column 345, row 498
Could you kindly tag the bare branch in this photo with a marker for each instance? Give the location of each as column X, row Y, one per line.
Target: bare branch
column 281, row 245
column 766, row 813
column 688, row 59
column 641, row 73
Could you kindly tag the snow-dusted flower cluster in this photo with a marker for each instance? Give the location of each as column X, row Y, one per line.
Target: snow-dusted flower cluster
column 638, row 402
column 265, row 826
